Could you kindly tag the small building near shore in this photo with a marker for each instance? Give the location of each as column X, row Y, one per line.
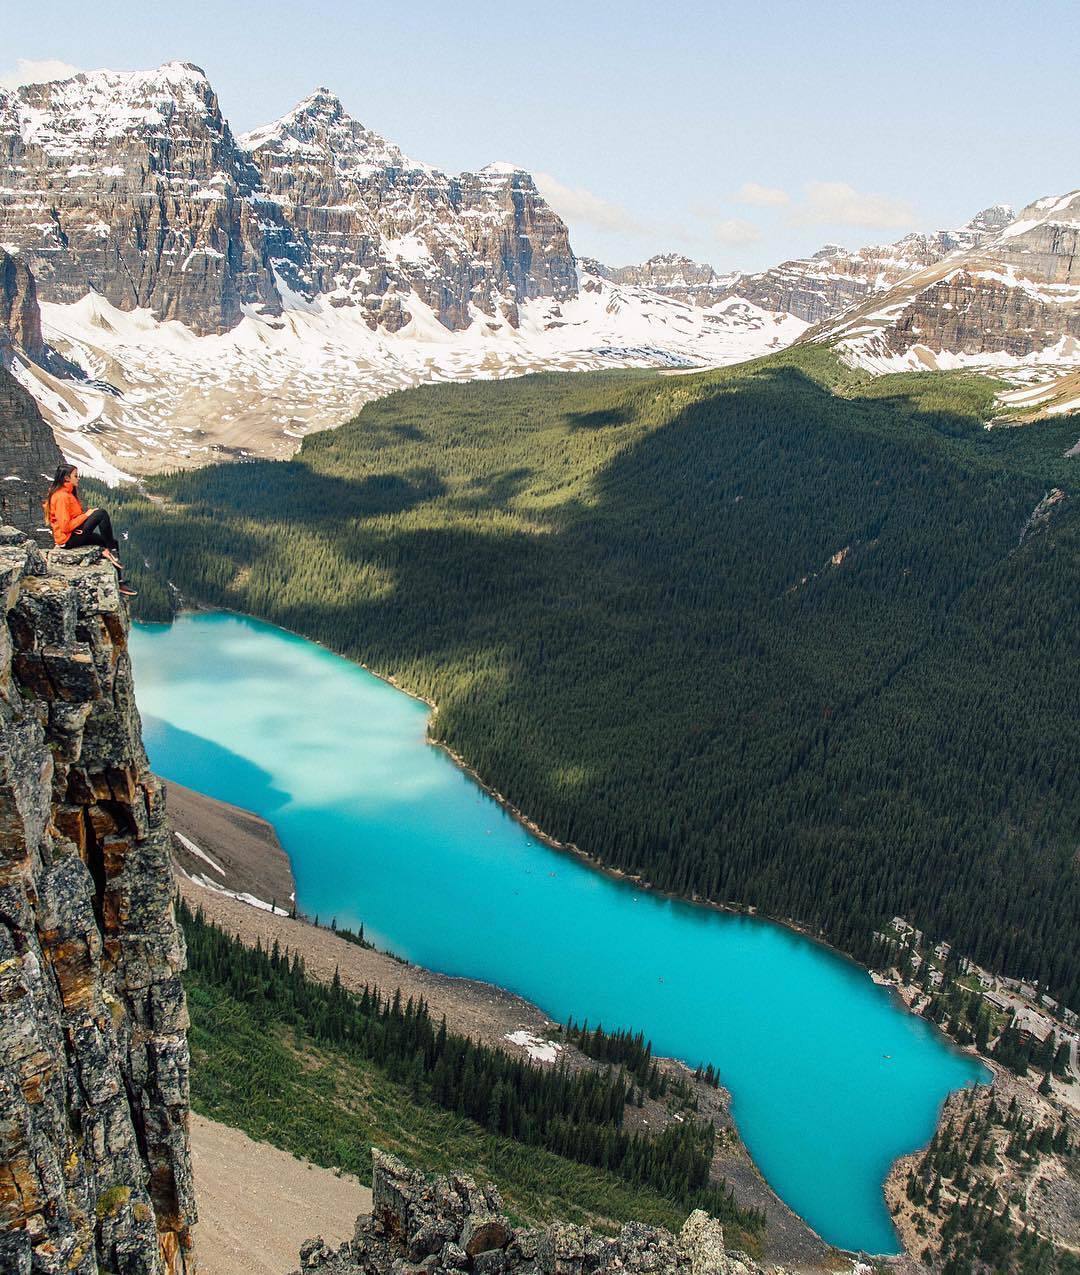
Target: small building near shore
column 1032, row 1025
column 906, row 930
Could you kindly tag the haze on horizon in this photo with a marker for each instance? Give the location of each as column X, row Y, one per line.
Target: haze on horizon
column 739, row 134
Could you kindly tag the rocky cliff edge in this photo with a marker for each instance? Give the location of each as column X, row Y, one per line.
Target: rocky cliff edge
column 422, row 1226
column 94, row 1165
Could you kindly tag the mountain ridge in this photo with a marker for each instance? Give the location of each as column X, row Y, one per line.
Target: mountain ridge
column 133, row 185
column 817, row 287
column 1006, row 299
column 209, row 295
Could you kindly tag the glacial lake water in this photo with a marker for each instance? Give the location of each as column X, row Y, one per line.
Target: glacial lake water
column 830, row 1081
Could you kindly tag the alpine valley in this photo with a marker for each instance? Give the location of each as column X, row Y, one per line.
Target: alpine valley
column 206, row 295
column 742, row 606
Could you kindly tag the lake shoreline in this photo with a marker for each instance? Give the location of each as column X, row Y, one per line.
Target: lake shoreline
column 594, row 864
column 489, row 1013
column 535, row 830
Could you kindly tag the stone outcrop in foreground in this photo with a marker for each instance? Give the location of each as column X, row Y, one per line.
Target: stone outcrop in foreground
column 94, row 1167
column 427, row 1225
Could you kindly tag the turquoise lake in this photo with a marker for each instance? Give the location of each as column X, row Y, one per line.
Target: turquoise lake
column 830, row 1081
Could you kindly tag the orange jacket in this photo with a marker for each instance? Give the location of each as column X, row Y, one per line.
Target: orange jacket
column 65, row 514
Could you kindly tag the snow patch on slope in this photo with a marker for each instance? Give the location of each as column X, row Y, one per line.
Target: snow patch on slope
column 160, row 396
column 537, row 1047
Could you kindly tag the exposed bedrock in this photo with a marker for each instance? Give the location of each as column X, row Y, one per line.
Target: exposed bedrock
column 421, row 1224
column 94, row 1167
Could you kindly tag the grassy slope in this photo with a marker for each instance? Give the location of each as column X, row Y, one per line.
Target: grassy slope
column 318, row 1103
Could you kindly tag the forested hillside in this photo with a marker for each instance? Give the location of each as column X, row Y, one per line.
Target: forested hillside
column 285, row 1057
column 767, row 635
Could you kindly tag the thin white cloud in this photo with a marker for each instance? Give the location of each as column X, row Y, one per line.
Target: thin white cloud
column 732, row 231
column 838, row 204
column 578, row 206
column 29, row 71
column 762, row 196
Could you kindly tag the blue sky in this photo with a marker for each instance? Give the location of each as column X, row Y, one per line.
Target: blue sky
column 740, row 134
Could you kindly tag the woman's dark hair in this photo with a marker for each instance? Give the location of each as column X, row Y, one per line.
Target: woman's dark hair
column 63, row 473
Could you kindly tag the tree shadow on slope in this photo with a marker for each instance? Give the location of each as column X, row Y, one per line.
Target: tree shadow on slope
column 604, row 418
column 274, row 492
column 493, row 491
column 686, row 681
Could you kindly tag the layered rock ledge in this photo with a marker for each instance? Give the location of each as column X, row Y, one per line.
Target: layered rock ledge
column 94, row 1163
column 423, row 1225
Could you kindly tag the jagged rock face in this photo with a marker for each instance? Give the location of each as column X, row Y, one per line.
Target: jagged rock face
column 967, row 312
column 1014, row 293
column 378, row 226
column 983, row 226
column 814, row 289
column 94, row 1168
column 1044, row 242
column 20, row 318
column 132, row 185
column 450, row 1223
column 673, row 275
column 28, row 455
column 28, row 452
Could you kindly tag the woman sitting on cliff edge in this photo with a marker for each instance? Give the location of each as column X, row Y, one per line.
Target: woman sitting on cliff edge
column 73, row 527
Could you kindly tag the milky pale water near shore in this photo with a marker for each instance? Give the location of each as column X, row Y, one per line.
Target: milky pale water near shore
column 830, row 1080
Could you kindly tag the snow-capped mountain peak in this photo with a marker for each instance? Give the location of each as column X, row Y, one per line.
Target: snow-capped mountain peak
column 73, row 119
column 320, row 130
column 1051, row 210
column 1007, row 297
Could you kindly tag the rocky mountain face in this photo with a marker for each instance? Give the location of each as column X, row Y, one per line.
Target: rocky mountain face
column 20, row 317
column 1009, row 296
column 132, row 185
column 449, row 1224
column 28, row 451
column 675, row 276
column 818, row 288
column 28, row 456
column 94, row 1166
column 377, row 227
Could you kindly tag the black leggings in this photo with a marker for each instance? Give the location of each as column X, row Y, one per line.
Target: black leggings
column 96, row 530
